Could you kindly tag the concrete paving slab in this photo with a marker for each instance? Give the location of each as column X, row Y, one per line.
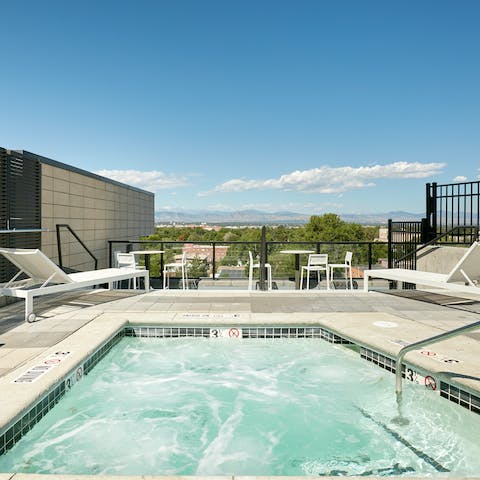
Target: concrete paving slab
column 14, row 357
column 36, row 339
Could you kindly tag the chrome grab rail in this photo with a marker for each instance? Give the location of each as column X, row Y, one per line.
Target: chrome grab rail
column 422, row 343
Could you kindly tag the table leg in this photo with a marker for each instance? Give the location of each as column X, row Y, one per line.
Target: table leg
column 147, row 267
column 297, row 272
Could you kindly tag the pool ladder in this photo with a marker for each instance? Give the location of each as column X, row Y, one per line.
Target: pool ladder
column 422, row 343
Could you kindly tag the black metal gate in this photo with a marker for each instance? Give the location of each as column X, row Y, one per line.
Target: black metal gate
column 403, row 240
column 20, row 205
column 452, row 217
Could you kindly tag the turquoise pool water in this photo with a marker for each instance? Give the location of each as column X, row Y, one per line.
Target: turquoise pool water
column 196, row 406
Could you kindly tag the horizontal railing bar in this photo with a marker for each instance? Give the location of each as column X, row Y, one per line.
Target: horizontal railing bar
column 250, row 242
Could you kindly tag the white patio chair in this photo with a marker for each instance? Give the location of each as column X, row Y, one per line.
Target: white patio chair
column 347, row 266
column 317, row 262
column 253, row 265
column 174, row 267
column 128, row 260
column 47, row 277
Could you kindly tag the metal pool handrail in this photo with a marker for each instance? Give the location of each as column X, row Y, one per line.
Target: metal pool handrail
column 422, row 343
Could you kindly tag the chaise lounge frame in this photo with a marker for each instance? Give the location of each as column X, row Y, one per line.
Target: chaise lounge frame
column 48, row 278
column 462, row 278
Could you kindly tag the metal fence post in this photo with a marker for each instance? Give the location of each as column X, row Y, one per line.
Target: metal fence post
column 431, row 207
column 263, row 254
column 109, row 254
column 161, row 264
column 390, row 253
column 425, row 231
column 213, row 261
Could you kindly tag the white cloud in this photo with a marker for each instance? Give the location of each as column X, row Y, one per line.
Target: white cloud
column 460, row 178
column 147, row 180
column 332, row 180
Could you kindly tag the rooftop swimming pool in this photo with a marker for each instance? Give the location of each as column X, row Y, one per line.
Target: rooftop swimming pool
column 217, row 406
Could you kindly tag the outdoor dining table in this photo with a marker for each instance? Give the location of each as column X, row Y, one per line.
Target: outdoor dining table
column 297, row 254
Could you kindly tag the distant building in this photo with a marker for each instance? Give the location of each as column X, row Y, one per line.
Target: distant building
column 205, row 252
column 382, row 235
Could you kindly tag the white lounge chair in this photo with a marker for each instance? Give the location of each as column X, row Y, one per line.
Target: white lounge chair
column 48, row 278
column 462, row 277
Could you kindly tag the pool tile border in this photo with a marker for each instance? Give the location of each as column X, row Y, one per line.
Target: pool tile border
column 461, row 397
column 247, row 332
column 39, row 409
column 101, row 352
column 27, row 421
column 379, row 359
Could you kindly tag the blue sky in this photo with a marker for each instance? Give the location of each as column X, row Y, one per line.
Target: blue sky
column 309, row 106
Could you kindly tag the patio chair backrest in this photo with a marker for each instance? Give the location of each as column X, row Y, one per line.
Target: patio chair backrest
column 317, row 259
column 125, row 260
column 348, row 258
column 469, row 263
column 36, row 265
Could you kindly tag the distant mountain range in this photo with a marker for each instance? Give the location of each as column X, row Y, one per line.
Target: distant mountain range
column 258, row 217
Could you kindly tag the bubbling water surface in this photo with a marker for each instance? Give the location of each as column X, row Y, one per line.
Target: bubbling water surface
column 245, row 407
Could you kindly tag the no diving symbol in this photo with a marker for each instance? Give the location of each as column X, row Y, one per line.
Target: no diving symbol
column 430, row 383
column 234, row 333
column 428, row 353
column 52, row 361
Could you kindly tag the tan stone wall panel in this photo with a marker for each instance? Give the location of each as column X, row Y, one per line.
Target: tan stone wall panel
column 97, row 211
column 77, row 189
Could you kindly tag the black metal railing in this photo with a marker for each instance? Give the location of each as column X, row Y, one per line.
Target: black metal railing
column 406, row 239
column 403, row 239
column 229, row 259
column 79, row 240
column 452, row 204
column 460, row 235
column 452, row 215
column 403, row 249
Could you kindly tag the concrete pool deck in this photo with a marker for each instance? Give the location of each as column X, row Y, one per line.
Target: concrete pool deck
column 80, row 323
